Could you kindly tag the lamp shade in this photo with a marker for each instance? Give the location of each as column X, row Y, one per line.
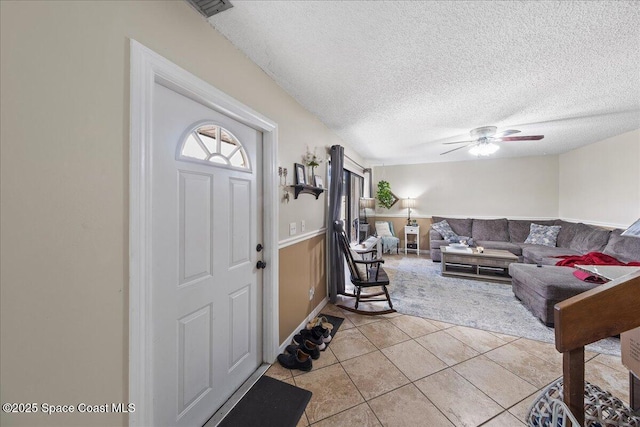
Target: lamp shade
column 408, row 203
column 367, row 203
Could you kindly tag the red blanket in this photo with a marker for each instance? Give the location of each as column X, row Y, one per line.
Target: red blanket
column 592, row 258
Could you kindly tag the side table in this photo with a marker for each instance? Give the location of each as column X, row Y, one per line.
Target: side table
column 414, row 245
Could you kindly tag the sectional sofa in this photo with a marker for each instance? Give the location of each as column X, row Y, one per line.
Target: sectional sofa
column 536, row 280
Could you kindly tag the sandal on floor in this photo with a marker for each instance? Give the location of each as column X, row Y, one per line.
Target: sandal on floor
column 320, row 321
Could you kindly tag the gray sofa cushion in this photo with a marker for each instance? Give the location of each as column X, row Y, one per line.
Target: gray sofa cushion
column 434, row 249
column 519, row 228
column 549, row 281
column 505, row 246
column 589, row 238
column 566, row 234
column 435, row 244
column 623, row 248
column 534, row 254
column 490, row 229
column 461, row 226
column 550, row 260
column 540, row 288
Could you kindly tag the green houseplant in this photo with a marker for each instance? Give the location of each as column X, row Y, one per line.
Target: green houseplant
column 384, row 195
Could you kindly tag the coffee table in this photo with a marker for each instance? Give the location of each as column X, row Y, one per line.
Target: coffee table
column 491, row 264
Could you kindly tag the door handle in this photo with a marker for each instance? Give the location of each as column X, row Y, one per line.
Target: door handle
column 261, row 264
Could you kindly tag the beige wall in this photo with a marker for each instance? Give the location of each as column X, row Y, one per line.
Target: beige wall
column 519, row 187
column 600, row 183
column 596, row 184
column 64, row 185
column 302, row 267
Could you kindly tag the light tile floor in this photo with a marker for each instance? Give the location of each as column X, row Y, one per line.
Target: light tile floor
column 398, row 370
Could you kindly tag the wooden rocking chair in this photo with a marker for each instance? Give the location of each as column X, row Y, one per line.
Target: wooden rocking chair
column 370, row 275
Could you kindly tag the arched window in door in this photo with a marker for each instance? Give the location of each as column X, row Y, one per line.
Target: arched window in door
column 213, row 144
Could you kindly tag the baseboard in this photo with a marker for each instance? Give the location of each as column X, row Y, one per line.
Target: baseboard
column 303, row 324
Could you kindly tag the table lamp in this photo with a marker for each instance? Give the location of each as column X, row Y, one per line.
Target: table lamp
column 408, row 203
column 367, row 203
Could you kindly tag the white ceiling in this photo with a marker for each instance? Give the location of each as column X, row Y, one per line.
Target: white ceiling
column 396, row 79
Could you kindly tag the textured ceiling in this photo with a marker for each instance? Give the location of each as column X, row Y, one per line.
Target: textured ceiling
column 396, row 79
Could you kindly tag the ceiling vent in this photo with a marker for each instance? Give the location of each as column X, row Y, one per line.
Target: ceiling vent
column 208, row 8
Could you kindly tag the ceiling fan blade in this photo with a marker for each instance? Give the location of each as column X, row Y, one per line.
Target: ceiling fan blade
column 459, row 148
column 521, row 138
column 457, row 142
column 506, row 133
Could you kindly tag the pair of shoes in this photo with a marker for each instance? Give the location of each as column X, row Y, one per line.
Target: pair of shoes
column 307, row 346
column 322, row 324
column 322, row 321
column 298, row 360
column 326, row 333
column 313, row 335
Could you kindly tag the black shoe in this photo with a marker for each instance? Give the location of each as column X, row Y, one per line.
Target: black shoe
column 308, row 347
column 300, row 360
column 312, row 335
column 325, row 332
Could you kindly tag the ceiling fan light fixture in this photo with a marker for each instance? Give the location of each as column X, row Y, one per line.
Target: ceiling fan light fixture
column 486, row 149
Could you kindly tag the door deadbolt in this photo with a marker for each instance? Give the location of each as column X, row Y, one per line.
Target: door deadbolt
column 259, row 247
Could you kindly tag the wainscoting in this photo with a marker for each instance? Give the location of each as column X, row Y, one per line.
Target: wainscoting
column 302, row 272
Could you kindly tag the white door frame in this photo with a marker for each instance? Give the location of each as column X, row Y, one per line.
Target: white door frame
column 148, row 68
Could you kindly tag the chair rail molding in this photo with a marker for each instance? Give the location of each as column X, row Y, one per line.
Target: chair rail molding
column 301, row 238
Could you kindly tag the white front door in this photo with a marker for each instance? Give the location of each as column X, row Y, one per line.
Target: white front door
column 206, row 290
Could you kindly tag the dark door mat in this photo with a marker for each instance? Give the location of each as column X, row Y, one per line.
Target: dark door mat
column 335, row 321
column 269, row 403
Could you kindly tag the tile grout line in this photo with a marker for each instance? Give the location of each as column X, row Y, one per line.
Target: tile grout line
column 484, row 353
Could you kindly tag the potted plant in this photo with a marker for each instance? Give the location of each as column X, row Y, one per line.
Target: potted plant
column 311, row 160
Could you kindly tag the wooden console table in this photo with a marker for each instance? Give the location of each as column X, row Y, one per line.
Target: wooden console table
column 492, row 264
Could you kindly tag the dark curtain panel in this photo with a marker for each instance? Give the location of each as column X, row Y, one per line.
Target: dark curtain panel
column 336, row 260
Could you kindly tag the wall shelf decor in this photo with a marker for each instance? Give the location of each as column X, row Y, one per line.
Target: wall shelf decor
column 306, row 189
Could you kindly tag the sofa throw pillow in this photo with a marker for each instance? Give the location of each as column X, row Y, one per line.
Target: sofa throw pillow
column 382, row 229
column 545, row 235
column 444, row 229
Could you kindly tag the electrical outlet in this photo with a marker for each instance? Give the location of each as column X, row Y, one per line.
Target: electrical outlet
column 303, row 226
column 292, row 228
column 312, row 292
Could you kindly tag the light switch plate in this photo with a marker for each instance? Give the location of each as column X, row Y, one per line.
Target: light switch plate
column 303, row 226
column 292, row 228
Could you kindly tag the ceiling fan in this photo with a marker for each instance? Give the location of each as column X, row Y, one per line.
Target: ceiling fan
column 483, row 140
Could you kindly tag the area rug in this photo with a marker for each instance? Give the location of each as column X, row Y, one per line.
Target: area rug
column 418, row 289
column 269, row 403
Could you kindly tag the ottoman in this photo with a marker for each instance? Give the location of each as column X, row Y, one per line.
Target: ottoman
column 540, row 288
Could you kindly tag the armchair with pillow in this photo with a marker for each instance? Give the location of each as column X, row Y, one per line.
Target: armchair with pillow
column 384, row 229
